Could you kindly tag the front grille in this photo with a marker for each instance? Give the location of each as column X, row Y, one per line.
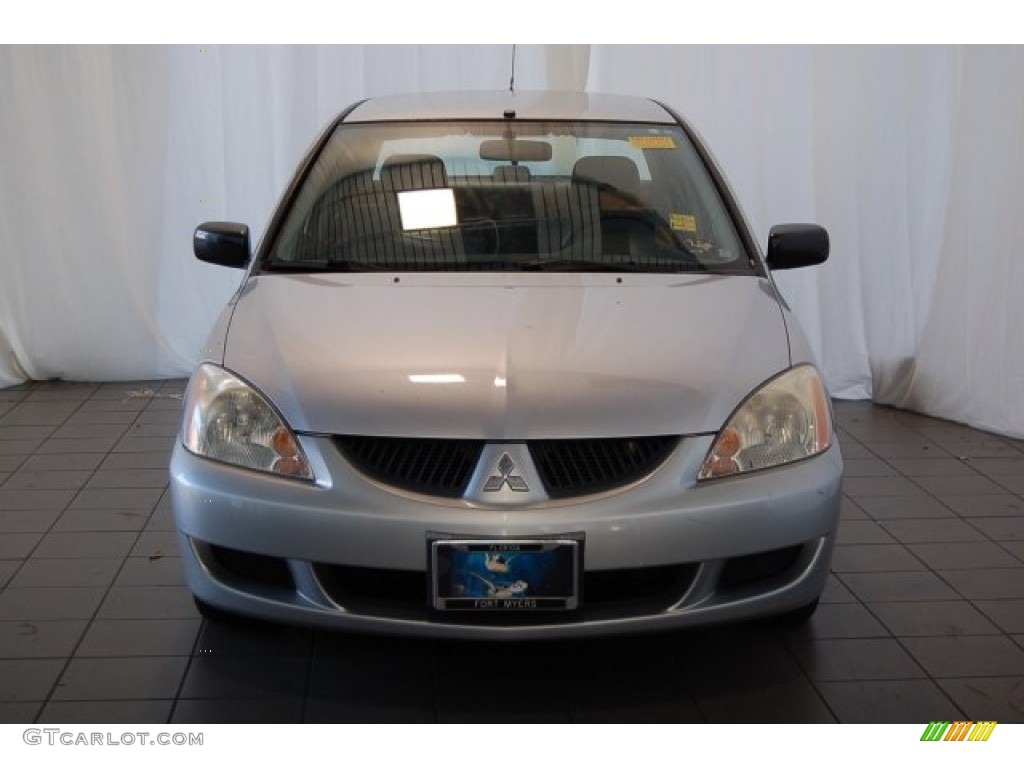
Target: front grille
column 435, row 467
column 567, row 468
column 580, row 467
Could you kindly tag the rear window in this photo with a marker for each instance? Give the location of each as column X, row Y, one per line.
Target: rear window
column 506, row 196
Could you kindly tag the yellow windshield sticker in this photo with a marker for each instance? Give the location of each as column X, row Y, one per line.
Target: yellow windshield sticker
column 683, row 222
column 652, row 142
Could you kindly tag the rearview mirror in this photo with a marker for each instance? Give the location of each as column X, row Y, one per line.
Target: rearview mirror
column 791, row 246
column 515, row 150
column 222, row 242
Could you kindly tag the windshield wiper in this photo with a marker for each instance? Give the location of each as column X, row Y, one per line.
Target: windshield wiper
column 341, row 265
column 594, row 265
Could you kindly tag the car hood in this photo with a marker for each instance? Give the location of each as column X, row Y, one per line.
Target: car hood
column 506, row 356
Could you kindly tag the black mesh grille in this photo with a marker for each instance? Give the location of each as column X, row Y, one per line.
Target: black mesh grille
column 435, row 467
column 579, row 467
column 567, row 468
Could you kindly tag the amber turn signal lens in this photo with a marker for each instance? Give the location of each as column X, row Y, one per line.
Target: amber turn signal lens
column 284, row 444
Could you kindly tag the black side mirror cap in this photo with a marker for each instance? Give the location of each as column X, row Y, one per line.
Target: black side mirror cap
column 222, row 242
column 791, row 246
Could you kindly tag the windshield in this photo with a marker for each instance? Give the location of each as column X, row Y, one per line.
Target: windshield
column 507, row 196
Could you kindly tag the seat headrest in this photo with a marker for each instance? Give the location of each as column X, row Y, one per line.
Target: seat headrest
column 618, row 172
column 511, row 173
column 404, row 172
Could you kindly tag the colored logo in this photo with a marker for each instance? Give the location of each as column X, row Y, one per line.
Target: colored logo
column 958, row 731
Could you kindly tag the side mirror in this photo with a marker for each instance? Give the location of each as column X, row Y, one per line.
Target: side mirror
column 791, row 246
column 222, row 242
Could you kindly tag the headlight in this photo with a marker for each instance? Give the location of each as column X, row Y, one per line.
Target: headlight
column 785, row 420
column 227, row 420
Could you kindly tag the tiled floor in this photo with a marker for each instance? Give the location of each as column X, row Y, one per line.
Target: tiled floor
column 923, row 618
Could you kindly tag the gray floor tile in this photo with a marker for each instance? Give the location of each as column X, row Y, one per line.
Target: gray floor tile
column 63, row 462
column 347, row 710
column 152, row 677
column 141, row 460
column 43, row 603
column 1001, row 528
column 988, row 698
column 136, row 711
column 865, row 558
column 19, row 712
column 14, row 546
column 77, row 445
column 84, row 520
column 961, row 555
column 287, row 710
column 135, row 444
column 105, row 418
column 867, row 468
column 898, row 586
column 904, row 508
column 928, row 531
column 86, row 545
column 140, row 637
column 959, row 486
column 78, row 572
column 872, row 487
column 148, row 603
column 214, row 676
column 157, row 544
column 28, row 521
column 986, row 505
column 918, row 468
column 144, row 572
column 967, row 656
column 848, row 510
column 117, row 498
column 1008, row 614
column 888, row 701
column 11, row 462
column 942, row 618
column 155, row 430
column 129, row 478
column 39, row 639
column 1000, row 467
column 56, row 480
column 18, row 447
column 862, row 532
column 28, row 679
column 987, row 583
column 7, row 570
column 35, row 499
column 26, row 433
column 38, row 413
column 861, row 659
column 1015, row 548
column 79, row 431
column 254, row 638
column 837, row 620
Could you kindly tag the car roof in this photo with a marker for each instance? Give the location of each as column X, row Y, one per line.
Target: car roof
column 527, row 105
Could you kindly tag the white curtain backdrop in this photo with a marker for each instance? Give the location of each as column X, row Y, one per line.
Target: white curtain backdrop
column 912, row 157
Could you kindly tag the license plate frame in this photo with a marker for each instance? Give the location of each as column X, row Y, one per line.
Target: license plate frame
column 524, row 574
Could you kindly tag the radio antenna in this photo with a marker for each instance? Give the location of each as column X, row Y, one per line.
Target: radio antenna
column 512, row 79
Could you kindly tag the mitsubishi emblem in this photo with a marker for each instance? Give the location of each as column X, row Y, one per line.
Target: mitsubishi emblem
column 505, row 467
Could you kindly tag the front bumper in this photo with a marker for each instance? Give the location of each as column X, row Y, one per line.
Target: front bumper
column 346, row 553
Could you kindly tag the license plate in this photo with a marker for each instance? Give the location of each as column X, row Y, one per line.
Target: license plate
column 505, row 574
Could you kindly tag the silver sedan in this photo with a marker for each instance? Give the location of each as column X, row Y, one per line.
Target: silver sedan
column 507, row 365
